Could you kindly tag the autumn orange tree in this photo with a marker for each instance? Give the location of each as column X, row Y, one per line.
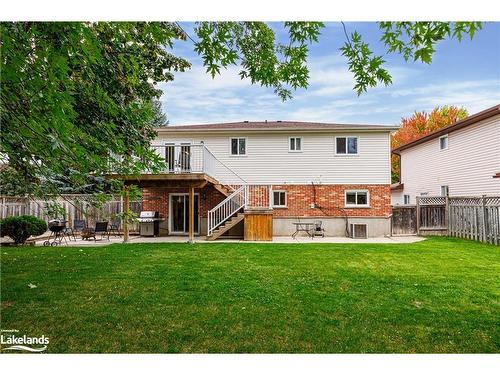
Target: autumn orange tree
column 420, row 124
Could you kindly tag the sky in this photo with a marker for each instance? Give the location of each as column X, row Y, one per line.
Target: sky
column 463, row 73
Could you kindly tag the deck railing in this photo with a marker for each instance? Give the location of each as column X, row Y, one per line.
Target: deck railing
column 197, row 158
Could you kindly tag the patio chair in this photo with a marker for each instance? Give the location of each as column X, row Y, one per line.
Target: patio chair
column 319, row 231
column 101, row 227
column 114, row 227
column 78, row 227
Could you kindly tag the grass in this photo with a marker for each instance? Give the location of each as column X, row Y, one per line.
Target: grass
column 439, row 295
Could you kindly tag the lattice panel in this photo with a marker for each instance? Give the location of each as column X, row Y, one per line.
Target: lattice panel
column 474, row 201
column 431, row 201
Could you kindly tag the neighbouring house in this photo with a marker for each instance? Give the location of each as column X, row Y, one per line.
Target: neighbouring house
column 462, row 159
column 262, row 175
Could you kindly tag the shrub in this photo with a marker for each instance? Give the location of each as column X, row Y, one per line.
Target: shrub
column 20, row 228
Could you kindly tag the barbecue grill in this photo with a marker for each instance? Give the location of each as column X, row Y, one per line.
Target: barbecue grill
column 56, row 228
column 150, row 223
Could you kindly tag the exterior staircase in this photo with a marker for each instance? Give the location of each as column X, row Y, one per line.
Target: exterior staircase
column 228, row 224
column 225, row 190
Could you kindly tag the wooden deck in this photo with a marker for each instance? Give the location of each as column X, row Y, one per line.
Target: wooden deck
column 196, row 180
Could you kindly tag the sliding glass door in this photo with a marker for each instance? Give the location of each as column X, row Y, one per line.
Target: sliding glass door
column 179, row 213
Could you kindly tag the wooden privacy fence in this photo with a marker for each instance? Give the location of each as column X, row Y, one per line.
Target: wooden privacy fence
column 76, row 207
column 475, row 218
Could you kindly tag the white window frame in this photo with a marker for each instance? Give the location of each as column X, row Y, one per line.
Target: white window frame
column 290, row 144
column 286, row 199
column 447, row 142
column 231, row 150
column 357, row 205
column 405, row 200
column 447, row 190
column 347, row 145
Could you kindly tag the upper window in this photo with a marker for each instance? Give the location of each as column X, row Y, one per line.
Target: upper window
column 279, row 198
column 443, row 142
column 295, row 144
column 357, row 198
column 406, row 198
column 445, row 191
column 346, row 145
column 238, row 146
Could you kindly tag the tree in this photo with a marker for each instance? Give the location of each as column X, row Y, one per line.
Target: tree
column 160, row 117
column 420, row 124
column 78, row 98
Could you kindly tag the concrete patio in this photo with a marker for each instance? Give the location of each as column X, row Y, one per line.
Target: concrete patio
column 276, row 239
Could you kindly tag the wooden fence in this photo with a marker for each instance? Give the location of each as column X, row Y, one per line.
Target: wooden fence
column 475, row 218
column 76, row 207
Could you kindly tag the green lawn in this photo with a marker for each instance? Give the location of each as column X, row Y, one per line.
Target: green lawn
column 439, row 295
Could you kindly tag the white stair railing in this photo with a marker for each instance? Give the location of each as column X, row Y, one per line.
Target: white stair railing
column 227, row 208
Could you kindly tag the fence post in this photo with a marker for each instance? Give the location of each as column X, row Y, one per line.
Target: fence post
column 483, row 213
column 447, row 215
column 418, row 215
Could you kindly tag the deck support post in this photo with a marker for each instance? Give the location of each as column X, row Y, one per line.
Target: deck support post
column 125, row 210
column 191, row 214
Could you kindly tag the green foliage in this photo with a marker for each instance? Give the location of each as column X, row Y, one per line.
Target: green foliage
column 54, row 210
column 20, row 228
column 367, row 69
column 76, row 98
column 160, row 118
column 417, row 40
column 253, row 46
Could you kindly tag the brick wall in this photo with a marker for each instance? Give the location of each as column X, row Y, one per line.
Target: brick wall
column 156, row 199
column 330, row 198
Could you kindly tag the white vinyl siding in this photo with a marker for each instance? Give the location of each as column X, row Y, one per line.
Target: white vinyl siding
column 268, row 160
column 467, row 167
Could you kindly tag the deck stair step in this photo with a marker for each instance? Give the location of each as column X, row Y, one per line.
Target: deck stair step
column 228, row 224
column 223, row 189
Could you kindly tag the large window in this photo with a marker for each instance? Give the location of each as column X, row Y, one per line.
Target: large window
column 346, row 145
column 238, row 146
column 279, row 198
column 295, row 144
column 443, row 142
column 356, row 198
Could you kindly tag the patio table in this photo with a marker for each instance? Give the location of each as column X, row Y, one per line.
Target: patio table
column 304, row 227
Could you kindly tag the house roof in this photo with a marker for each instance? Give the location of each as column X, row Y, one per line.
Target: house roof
column 273, row 126
column 473, row 119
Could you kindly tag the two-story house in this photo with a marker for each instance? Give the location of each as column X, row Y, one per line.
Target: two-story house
column 462, row 159
column 296, row 171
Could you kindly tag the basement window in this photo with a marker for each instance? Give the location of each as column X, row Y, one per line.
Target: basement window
column 356, row 198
